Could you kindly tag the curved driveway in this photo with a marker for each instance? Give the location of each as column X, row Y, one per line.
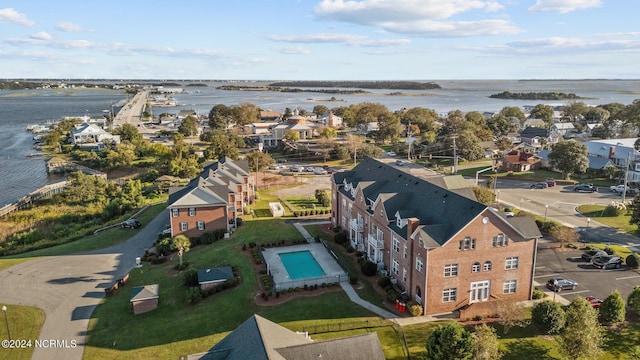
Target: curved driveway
column 68, row 288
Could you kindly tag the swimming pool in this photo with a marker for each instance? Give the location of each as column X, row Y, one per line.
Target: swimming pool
column 301, row 265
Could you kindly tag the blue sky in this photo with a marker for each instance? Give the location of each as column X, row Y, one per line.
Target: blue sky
column 320, row 39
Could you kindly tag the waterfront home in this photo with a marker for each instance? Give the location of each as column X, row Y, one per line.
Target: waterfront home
column 92, row 137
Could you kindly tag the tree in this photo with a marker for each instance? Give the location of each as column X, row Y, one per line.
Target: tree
column 612, row 309
column 259, row 161
column 354, row 143
column 633, row 301
column 327, row 132
column 449, row 342
column 182, row 244
column 583, row 336
column 189, row 126
column 513, row 112
column 485, row 343
column 320, row 110
column 564, row 234
column 574, row 111
column 220, row 117
column 543, row 112
column 292, row 135
column 484, row 195
column 388, row 127
column 635, row 211
column 547, row 316
column 510, row 313
column 569, row 157
column 245, row 114
column 501, row 125
column 504, row 144
column 425, row 119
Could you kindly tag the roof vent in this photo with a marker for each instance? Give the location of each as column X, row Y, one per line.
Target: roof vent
column 208, row 270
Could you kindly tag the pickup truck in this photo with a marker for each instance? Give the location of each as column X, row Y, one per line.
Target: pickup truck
column 617, row 188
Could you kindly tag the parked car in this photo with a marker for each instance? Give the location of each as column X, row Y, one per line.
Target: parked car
column 297, row 168
column 391, row 153
column 607, row 261
column 509, row 214
column 594, row 301
column 399, row 162
column 585, row 187
column 319, row 171
column 631, row 192
column 539, row 185
column 589, row 255
column 131, row 224
column 617, row 188
column 551, row 182
column 560, row 283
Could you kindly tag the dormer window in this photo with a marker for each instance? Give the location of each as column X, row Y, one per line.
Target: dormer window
column 399, row 222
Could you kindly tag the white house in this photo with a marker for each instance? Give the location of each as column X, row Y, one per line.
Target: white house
column 93, row 135
column 620, row 151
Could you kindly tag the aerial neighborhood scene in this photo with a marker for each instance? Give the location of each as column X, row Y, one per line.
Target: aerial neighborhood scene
column 320, row 180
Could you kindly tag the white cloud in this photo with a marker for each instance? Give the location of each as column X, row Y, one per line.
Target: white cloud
column 11, row 16
column 41, row 36
column 420, row 18
column 563, row 6
column 558, row 45
column 293, row 50
column 347, row 39
column 68, row 27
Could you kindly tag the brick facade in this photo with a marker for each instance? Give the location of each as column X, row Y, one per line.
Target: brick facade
column 143, row 306
column 213, row 218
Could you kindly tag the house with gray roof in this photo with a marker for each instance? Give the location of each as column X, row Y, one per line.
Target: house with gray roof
column 260, row 339
column 446, row 251
column 621, row 153
column 211, row 201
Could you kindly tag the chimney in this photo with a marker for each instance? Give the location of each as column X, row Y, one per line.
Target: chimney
column 612, row 151
column 412, row 225
column 330, row 121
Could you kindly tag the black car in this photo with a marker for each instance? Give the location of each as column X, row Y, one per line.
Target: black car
column 559, row 283
column 585, row 187
column 589, row 255
column 130, row 224
column 607, row 261
column 539, row 185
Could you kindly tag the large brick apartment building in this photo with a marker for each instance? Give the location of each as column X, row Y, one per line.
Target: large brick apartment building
column 211, row 201
column 442, row 248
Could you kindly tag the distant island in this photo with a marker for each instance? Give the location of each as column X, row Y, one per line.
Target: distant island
column 394, row 85
column 536, row 96
column 290, row 90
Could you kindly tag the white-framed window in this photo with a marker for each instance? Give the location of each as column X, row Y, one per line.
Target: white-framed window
column 404, row 274
column 450, row 270
column 486, row 266
column 396, row 244
column 500, row 240
column 467, row 244
column 419, row 264
column 175, row 212
column 509, row 286
column 480, row 291
column 405, row 253
column 449, row 295
column 395, row 267
column 184, row 226
column 511, row 263
column 192, row 211
column 200, row 225
column 344, row 204
column 420, row 241
column 475, row 267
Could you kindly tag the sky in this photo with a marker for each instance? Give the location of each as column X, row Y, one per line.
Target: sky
column 320, row 39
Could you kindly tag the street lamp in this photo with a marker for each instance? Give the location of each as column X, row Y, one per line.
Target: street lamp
column 4, row 309
column 586, row 235
column 546, row 207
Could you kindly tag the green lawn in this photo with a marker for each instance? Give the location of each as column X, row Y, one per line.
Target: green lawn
column 619, row 222
column 24, row 323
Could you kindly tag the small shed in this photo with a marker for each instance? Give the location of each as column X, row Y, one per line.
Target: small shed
column 144, row 298
column 208, row 278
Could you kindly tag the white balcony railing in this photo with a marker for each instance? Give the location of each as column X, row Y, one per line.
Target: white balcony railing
column 375, row 242
column 355, row 225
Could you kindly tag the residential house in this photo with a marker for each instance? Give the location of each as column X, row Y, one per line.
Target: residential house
column 92, row 137
column 533, row 139
column 621, row 152
column 519, row 161
column 270, row 115
column 213, row 200
column 595, row 163
column 260, row 339
column 533, row 122
column 296, row 123
column 331, row 120
column 446, row 251
column 560, row 131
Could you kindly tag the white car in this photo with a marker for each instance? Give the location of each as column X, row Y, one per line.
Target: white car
column 297, row 168
column 319, row 171
column 391, row 153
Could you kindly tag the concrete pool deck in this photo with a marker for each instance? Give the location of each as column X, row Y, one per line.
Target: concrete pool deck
column 333, row 272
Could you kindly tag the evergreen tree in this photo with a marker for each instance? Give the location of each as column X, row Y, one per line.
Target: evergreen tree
column 633, row 301
column 612, row 309
column 570, row 157
column 583, row 336
column 635, row 213
column 548, row 317
column 449, row 342
column 485, row 343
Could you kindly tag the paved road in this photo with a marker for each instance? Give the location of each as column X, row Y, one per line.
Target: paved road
column 68, row 288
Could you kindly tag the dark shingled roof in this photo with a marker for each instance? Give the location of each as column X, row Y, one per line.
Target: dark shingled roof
column 215, row 274
column 366, row 346
column 407, row 194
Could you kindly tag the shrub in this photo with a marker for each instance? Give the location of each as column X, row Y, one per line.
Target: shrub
column 631, row 261
column 612, row 309
column 369, row 268
column 341, row 238
column 352, row 280
column 615, row 209
column 182, row 266
column 163, row 246
column 191, row 277
column 538, row 294
column 634, row 299
column 193, row 295
column 415, row 309
column 548, row 317
column 478, row 317
column 384, row 282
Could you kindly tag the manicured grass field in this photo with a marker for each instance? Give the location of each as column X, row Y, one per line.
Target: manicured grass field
column 24, row 323
column 619, row 222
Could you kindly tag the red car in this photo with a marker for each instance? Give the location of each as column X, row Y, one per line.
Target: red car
column 594, row 301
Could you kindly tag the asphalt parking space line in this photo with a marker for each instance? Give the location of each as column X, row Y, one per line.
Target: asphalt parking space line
column 540, row 267
column 574, row 292
column 628, row 277
column 547, row 275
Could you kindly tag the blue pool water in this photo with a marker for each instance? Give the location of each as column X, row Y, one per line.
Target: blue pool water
column 301, row 265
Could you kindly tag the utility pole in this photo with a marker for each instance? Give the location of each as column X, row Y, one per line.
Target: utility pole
column 626, row 173
column 455, row 154
column 409, row 134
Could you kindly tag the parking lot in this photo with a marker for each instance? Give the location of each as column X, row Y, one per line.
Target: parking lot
column 591, row 281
